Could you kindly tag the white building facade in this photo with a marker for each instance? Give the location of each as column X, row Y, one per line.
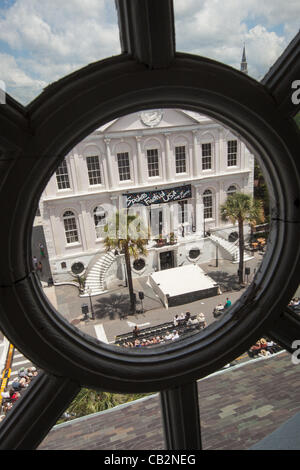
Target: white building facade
column 170, row 166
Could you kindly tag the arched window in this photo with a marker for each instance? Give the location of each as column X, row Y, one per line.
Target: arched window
column 208, row 204
column 99, row 221
column 70, row 227
column 231, row 190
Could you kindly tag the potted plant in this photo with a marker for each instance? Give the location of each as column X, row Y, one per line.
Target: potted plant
column 172, row 238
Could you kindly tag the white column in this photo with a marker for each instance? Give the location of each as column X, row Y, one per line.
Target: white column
column 221, row 154
column 83, row 225
column 73, row 174
column 217, row 203
column 168, row 159
column 176, row 228
column 166, row 220
column 196, row 154
column 199, row 217
column 88, row 226
column 109, row 164
column 139, row 159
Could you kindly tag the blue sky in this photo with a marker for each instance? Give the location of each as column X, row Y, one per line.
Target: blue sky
column 43, row 40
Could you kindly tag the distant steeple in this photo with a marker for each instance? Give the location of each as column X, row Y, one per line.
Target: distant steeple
column 244, row 66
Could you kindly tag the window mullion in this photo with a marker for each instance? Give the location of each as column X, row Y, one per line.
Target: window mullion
column 181, row 417
column 36, row 412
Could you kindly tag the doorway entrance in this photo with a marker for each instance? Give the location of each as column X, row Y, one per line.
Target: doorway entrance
column 166, row 260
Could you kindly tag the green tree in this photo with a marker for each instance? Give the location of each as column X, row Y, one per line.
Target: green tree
column 260, row 188
column 89, row 401
column 241, row 208
column 127, row 234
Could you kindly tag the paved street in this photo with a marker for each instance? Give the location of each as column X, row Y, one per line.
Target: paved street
column 111, row 310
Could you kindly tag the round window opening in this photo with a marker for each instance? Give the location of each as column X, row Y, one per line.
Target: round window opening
column 141, row 225
column 233, row 236
column 139, row 264
column 194, row 253
column 77, row 268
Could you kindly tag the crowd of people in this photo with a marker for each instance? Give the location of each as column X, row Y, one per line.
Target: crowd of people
column 187, row 319
column 264, row 347
column 22, row 381
column 181, row 322
column 295, row 304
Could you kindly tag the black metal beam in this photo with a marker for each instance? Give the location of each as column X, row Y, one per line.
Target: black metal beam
column 283, row 73
column 286, row 329
column 147, row 31
column 36, row 412
column 181, row 417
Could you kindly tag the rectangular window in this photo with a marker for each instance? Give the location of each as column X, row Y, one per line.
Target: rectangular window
column 153, row 165
column 208, row 205
column 94, row 171
column 180, row 159
column 71, row 230
column 62, row 176
column 232, row 153
column 124, row 166
column 206, row 157
column 182, row 212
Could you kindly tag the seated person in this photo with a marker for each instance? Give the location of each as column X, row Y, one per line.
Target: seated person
column 32, row 372
column 227, row 303
column 263, row 343
column 168, row 336
column 175, row 335
column 191, row 321
column 8, row 394
column 264, row 353
column 7, row 407
column 201, row 320
column 15, row 396
column 255, row 349
column 187, row 316
column 219, row 307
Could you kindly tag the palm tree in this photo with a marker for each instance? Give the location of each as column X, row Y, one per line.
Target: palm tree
column 129, row 236
column 240, row 208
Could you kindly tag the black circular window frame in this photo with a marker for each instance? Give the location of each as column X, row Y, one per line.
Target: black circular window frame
column 77, row 268
column 233, row 236
column 139, row 264
column 194, row 253
column 37, row 139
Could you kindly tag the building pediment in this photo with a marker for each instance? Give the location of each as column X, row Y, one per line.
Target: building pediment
column 152, row 119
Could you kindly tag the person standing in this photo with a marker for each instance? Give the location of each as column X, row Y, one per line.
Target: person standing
column 42, row 250
column 35, row 262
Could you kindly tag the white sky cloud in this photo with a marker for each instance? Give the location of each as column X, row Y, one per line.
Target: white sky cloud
column 43, row 40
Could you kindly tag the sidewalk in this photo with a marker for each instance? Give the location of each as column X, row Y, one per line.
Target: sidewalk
column 111, row 309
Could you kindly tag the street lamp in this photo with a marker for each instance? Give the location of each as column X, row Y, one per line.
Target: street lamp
column 89, row 291
column 85, row 312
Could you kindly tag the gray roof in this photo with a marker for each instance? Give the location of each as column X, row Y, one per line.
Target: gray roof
column 239, row 406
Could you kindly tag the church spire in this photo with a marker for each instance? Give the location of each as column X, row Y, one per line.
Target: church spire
column 244, row 66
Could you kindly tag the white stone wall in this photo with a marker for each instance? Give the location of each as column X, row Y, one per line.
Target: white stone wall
column 129, row 134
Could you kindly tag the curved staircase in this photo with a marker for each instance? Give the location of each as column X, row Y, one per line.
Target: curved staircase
column 95, row 280
column 231, row 248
